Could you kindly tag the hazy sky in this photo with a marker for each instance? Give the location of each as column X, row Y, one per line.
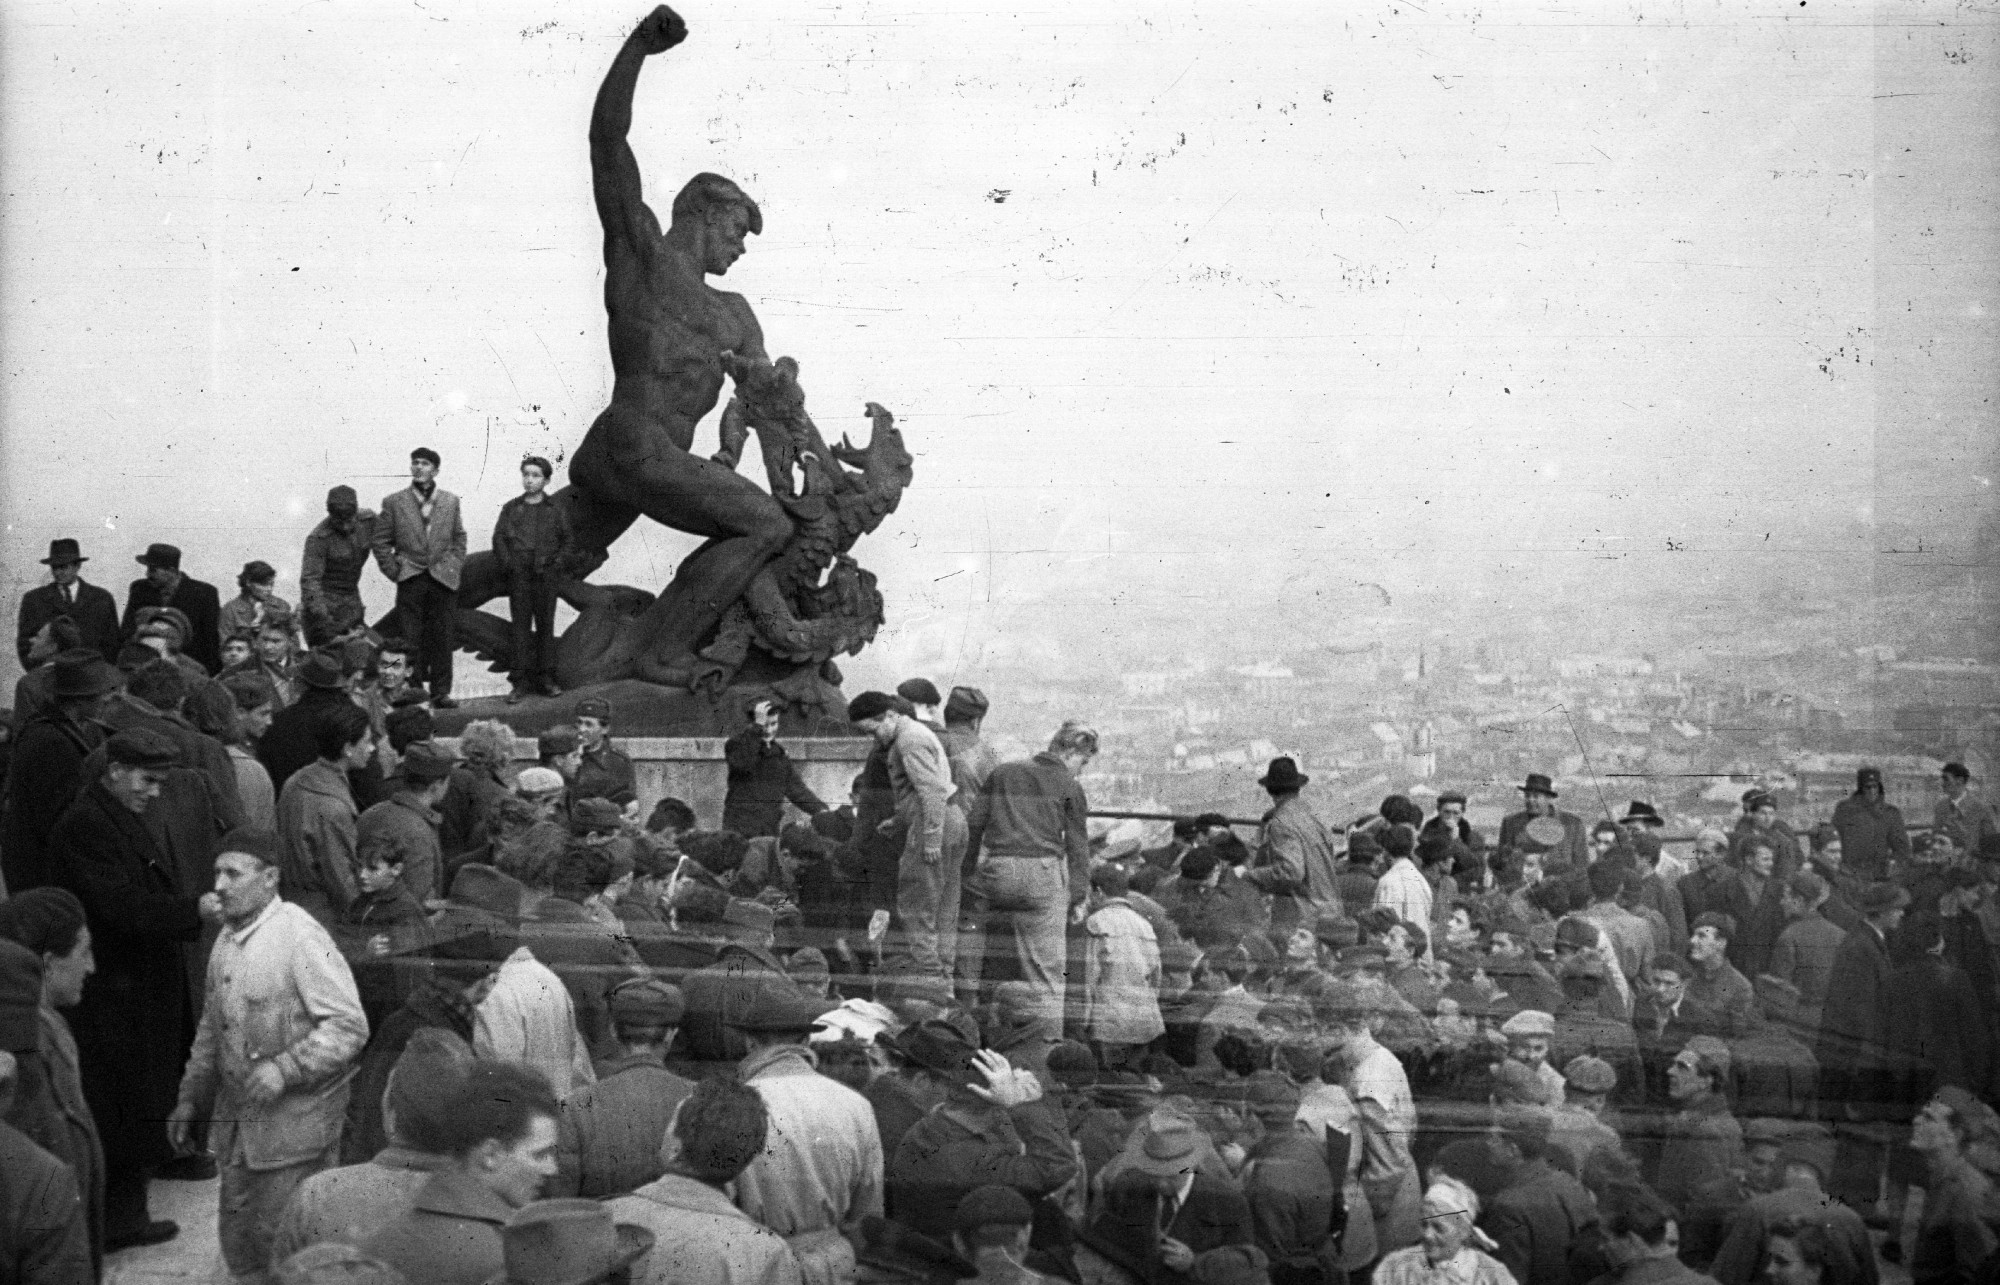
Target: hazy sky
column 1228, row 307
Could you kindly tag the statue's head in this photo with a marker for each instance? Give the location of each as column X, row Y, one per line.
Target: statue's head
column 714, row 215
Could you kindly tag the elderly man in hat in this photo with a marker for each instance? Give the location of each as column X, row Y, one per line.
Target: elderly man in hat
column 330, row 572
column 1857, row 1076
column 135, row 1022
column 93, row 610
column 762, row 777
column 1529, row 1034
column 1294, row 860
column 990, row 1125
column 419, row 544
column 821, row 1170
column 350, row 1203
column 1578, row 1127
column 1871, row 829
column 928, row 872
column 499, row 1131
column 280, row 1031
column 408, row 818
column 609, row 1141
column 1520, row 831
column 1030, row 827
column 48, row 768
column 164, row 585
column 699, row 1236
column 601, row 771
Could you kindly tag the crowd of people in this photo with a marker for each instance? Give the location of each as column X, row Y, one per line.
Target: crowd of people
column 432, row 1013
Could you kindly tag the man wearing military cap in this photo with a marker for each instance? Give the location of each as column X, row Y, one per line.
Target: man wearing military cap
column 165, row 585
column 93, row 610
column 136, row 1022
column 601, row 771
column 330, row 572
column 608, row 1142
column 409, row 819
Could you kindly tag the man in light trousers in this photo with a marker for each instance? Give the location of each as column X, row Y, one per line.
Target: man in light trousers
column 927, row 876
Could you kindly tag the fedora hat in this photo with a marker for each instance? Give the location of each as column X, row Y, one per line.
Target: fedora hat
column 1169, row 1145
column 567, row 1242
column 1641, row 814
column 63, row 553
column 1283, row 775
column 83, row 673
column 1878, row 898
column 320, row 670
column 1539, row 784
column 166, row 557
column 938, row 1046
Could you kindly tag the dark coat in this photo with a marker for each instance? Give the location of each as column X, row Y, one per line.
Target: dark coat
column 961, row 1145
column 1854, row 1026
column 1872, row 838
column 1534, row 1220
column 761, row 777
column 46, row 775
column 1291, row 1198
column 1937, row 1032
column 1126, row 1227
column 603, row 773
column 609, row 1138
column 203, row 606
column 43, row 1237
column 95, row 613
column 434, row 1003
column 713, row 994
column 136, row 1021
column 1713, row 888
column 287, row 746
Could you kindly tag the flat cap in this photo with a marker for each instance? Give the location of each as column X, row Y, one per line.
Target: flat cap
column 342, row 498
column 538, row 780
column 752, row 915
column 595, row 816
column 261, row 844
column 1879, row 898
column 647, row 1001
column 141, row 747
column 560, row 739
column 1529, row 1022
column 992, row 1205
column 1590, row 1075
column 965, row 703
column 779, row 1009
column 424, row 764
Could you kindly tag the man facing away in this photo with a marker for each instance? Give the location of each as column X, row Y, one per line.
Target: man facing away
column 1294, row 860
column 420, row 545
column 927, row 874
column 609, row 1136
column 94, row 610
column 281, row 1028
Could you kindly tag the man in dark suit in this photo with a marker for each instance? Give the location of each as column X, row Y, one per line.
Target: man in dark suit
column 1520, row 831
column 165, row 586
column 94, row 610
column 1162, row 1209
column 1857, row 1082
column 420, row 545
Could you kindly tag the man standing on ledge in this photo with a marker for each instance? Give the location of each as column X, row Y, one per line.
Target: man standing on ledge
column 602, row 773
column 927, row 876
column 420, row 544
column 330, row 573
column 1294, row 861
column 1539, row 801
column 280, row 1031
column 761, row 777
column 165, row 586
column 94, row 610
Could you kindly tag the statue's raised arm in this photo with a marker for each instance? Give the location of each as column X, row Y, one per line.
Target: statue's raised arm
column 614, row 170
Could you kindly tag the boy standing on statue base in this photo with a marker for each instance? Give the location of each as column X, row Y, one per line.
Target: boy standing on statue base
column 532, row 543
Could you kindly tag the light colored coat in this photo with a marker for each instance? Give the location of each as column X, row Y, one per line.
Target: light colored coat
column 1121, row 977
column 317, row 833
column 1296, row 852
column 350, row 1204
column 528, row 1017
column 821, row 1166
column 279, row 992
column 406, row 546
column 699, row 1238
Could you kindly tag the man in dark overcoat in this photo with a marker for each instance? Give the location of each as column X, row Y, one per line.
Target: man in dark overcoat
column 135, row 1023
column 94, row 610
column 48, row 767
column 164, row 585
column 1857, row 1083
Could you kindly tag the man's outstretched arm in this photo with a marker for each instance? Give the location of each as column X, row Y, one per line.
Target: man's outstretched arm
column 621, row 206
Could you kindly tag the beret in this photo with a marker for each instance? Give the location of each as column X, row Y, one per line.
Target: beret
column 557, row 740
column 965, row 703
column 647, row 1001
column 261, row 844
column 342, row 497
column 869, row 705
column 595, row 816
column 1590, row 1075
column 919, row 691
column 990, row 1205
column 141, row 747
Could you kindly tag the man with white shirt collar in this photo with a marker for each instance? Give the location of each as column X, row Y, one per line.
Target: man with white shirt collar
column 280, row 1032
column 420, row 545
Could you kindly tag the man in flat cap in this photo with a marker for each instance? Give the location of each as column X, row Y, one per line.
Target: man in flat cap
column 762, row 778
column 135, row 1022
column 330, row 572
column 964, row 714
column 608, row 1142
column 280, row 1030
column 990, row 1230
column 721, row 993
column 165, row 585
column 419, row 543
column 928, row 874
column 602, row 772
column 408, row 818
column 1578, row 1126
column 93, row 610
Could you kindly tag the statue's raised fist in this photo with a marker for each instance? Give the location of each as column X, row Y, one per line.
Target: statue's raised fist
column 661, row 30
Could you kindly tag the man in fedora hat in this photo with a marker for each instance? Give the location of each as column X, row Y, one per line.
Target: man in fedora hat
column 94, row 610
column 1163, row 1208
column 330, row 572
column 420, row 546
column 699, row 1236
column 165, row 585
column 287, row 744
column 1294, row 861
column 569, row 1242
column 1519, row 831
column 48, row 766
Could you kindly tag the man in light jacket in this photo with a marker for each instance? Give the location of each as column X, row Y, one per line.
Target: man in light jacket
column 420, row 544
column 927, row 876
column 1294, row 861
column 281, row 1030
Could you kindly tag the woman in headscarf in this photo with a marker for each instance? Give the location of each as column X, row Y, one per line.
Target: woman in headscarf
column 1453, row 1251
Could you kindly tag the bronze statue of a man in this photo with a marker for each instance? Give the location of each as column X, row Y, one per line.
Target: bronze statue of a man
column 669, row 331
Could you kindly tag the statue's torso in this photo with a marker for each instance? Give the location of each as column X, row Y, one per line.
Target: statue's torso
column 666, row 346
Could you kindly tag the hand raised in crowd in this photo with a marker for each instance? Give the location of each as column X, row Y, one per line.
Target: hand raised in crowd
column 1006, row 1084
